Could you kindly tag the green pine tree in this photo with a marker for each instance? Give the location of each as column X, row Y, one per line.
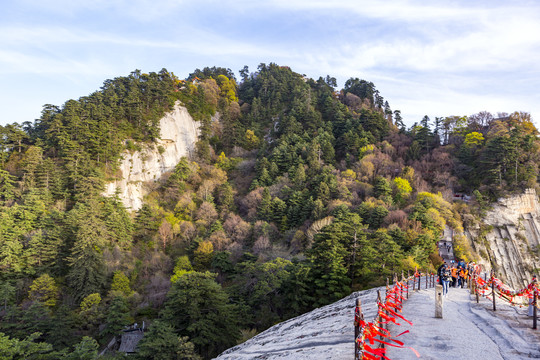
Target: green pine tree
column 162, row 343
column 198, row 307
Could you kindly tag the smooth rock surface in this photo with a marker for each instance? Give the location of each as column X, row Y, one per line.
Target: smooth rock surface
column 179, row 133
column 324, row 333
column 513, row 243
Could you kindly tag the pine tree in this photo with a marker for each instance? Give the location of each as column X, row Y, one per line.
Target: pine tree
column 27, row 348
column 161, row 343
column 119, row 223
column 117, row 317
column 86, row 270
column 42, row 251
column 328, row 266
column 398, row 120
column 86, row 349
column 7, row 293
column 63, row 328
column 382, row 189
column 7, row 187
column 198, row 307
column 264, row 210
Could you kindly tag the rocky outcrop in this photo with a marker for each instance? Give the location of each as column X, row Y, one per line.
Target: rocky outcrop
column 509, row 239
column 179, row 133
column 321, row 334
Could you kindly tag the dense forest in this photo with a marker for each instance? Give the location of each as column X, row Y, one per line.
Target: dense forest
column 298, row 194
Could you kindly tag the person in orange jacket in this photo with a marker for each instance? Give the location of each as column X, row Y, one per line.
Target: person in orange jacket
column 462, row 276
column 454, row 276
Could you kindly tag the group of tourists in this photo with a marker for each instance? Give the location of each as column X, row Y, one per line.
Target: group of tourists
column 453, row 274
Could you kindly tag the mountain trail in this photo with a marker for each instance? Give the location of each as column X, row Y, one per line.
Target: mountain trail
column 467, row 330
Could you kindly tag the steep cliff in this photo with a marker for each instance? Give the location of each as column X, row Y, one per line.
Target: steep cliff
column 509, row 238
column 179, row 133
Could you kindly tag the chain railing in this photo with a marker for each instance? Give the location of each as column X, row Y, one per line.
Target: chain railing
column 494, row 287
column 372, row 337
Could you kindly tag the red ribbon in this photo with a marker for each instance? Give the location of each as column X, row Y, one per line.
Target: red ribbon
column 371, row 331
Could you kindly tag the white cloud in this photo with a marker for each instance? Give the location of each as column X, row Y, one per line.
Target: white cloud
column 393, row 10
column 13, row 61
column 140, row 10
column 53, row 49
column 440, row 58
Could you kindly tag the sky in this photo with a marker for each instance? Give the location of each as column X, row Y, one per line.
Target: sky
column 441, row 59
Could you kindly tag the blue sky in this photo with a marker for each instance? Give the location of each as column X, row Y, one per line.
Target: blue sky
column 441, row 59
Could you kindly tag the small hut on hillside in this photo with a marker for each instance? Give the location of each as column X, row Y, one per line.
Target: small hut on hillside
column 129, row 340
column 126, row 342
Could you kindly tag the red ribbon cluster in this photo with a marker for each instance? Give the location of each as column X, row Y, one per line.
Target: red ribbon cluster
column 505, row 292
column 374, row 332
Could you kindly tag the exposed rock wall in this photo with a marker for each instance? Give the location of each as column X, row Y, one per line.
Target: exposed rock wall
column 322, row 334
column 510, row 241
column 179, row 133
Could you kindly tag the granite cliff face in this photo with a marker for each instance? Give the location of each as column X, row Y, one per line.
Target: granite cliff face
column 179, row 133
column 509, row 238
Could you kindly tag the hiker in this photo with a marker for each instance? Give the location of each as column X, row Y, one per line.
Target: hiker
column 454, row 276
column 462, row 276
column 443, row 273
column 440, row 272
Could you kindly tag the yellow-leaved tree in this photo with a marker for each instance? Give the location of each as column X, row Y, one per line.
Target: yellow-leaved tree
column 44, row 290
column 474, row 139
column 120, row 285
column 402, row 189
column 251, row 140
column 227, row 88
column 202, row 256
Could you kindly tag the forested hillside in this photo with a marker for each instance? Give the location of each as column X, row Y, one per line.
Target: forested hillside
column 298, row 194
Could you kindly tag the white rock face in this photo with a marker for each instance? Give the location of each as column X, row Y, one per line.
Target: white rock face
column 179, row 133
column 513, row 242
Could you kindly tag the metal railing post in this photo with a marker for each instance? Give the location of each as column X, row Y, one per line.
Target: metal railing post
column 407, row 284
column 358, row 353
column 476, row 290
column 493, row 290
column 400, row 284
column 535, row 309
column 379, row 319
column 535, row 302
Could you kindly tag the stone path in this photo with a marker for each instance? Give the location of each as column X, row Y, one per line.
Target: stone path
column 467, row 330
column 446, row 254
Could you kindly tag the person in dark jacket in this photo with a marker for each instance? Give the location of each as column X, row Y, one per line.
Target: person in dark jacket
column 444, row 276
column 440, row 272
